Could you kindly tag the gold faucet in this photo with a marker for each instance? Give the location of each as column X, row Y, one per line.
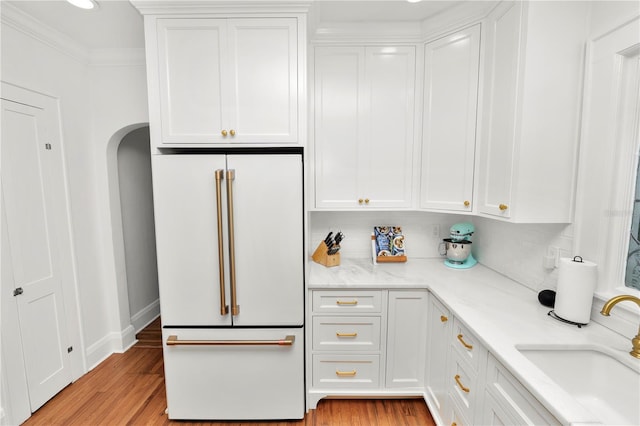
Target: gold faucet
column 606, row 309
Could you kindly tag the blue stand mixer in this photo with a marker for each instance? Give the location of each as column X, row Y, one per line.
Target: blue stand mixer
column 457, row 247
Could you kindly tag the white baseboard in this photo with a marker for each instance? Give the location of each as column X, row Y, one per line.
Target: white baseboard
column 146, row 315
column 109, row 344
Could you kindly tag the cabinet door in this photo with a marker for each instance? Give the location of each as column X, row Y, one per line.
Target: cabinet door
column 406, row 339
column 192, row 58
column 184, row 193
column 438, row 335
column 263, row 90
column 449, row 124
column 498, row 144
column 386, row 146
column 339, row 72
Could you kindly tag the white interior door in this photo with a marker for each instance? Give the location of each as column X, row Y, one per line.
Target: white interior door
column 32, row 187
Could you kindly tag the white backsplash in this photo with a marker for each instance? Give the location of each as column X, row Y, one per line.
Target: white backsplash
column 514, row 250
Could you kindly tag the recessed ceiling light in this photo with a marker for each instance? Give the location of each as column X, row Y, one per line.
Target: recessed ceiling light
column 414, row 1
column 84, row 4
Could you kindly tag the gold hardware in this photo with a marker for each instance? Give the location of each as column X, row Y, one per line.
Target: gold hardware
column 224, row 309
column 345, row 373
column 360, row 200
column 351, row 302
column 235, row 308
column 465, row 344
column 174, row 341
column 443, row 318
column 460, row 385
column 366, row 201
column 503, row 207
column 346, row 334
column 224, row 132
column 606, row 309
column 454, row 424
column 467, row 203
column 232, row 132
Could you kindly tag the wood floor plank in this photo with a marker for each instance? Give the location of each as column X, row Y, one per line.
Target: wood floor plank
column 128, row 389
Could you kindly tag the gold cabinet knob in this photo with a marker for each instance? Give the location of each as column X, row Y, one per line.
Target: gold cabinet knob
column 232, row 132
column 224, row 132
column 443, row 318
column 467, row 203
column 503, row 207
column 366, row 201
column 360, row 200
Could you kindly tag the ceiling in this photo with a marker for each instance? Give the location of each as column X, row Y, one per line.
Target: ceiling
column 117, row 24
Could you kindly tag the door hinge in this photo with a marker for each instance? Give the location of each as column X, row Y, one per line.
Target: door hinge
column 47, row 146
column 18, row 291
column 69, row 349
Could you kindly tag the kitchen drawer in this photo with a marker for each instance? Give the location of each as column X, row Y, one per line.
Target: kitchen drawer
column 467, row 345
column 218, row 381
column 514, row 399
column 346, row 371
column 346, row 333
column 336, row 302
column 463, row 385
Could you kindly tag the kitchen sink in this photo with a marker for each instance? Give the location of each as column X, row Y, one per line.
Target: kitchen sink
column 606, row 384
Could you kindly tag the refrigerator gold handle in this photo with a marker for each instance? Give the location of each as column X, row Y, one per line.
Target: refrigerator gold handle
column 235, row 308
column 173, row 340
column 224, row 308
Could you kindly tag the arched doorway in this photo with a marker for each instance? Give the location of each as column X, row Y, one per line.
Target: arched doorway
column 131, row 205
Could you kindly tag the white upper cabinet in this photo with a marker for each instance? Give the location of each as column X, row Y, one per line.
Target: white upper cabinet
column 364, row 117
column 223, row 81
column 451, row 67
column 530, row 118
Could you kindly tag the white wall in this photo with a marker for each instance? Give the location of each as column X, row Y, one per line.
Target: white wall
column 136, row 199
column 119, row 106
column 41, row 66
column 102, row 97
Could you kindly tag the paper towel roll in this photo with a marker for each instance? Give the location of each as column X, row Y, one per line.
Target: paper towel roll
column 576, row 284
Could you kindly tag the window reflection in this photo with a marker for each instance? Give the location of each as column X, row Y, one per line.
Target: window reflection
column 632, row 275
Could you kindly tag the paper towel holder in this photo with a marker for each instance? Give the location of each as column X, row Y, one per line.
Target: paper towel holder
column 578, row 261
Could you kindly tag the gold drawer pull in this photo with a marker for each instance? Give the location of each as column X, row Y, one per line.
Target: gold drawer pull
column 351, row 302
column 346, row 334
column 443, row 318
column 460, row 385
column 345, row 373
column 454, row 424
column 465, row 344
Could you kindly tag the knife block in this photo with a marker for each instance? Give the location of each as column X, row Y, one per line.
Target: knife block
column 320, row 256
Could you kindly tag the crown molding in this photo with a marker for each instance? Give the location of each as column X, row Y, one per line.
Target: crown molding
column 13, row 17
column 117, row 57
column 367, row 32
column 235, row 7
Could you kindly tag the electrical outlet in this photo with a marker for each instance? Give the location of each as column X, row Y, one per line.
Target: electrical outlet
column 435, row 231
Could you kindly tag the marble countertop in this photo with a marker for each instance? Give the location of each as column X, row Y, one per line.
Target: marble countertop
column 502, row 313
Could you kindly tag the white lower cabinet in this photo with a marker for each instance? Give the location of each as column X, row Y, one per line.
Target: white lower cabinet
column 508, row 402
column 438, row 333
column 473, row 388
column 367, row 343
column 465, row 372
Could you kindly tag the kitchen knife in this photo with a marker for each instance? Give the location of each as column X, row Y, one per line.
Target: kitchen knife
column 327, row 240
column 339, row 237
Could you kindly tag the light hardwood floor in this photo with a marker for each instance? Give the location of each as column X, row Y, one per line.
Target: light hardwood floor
column 128, row 389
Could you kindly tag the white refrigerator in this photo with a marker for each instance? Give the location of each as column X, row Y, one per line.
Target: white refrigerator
column 229, row 235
